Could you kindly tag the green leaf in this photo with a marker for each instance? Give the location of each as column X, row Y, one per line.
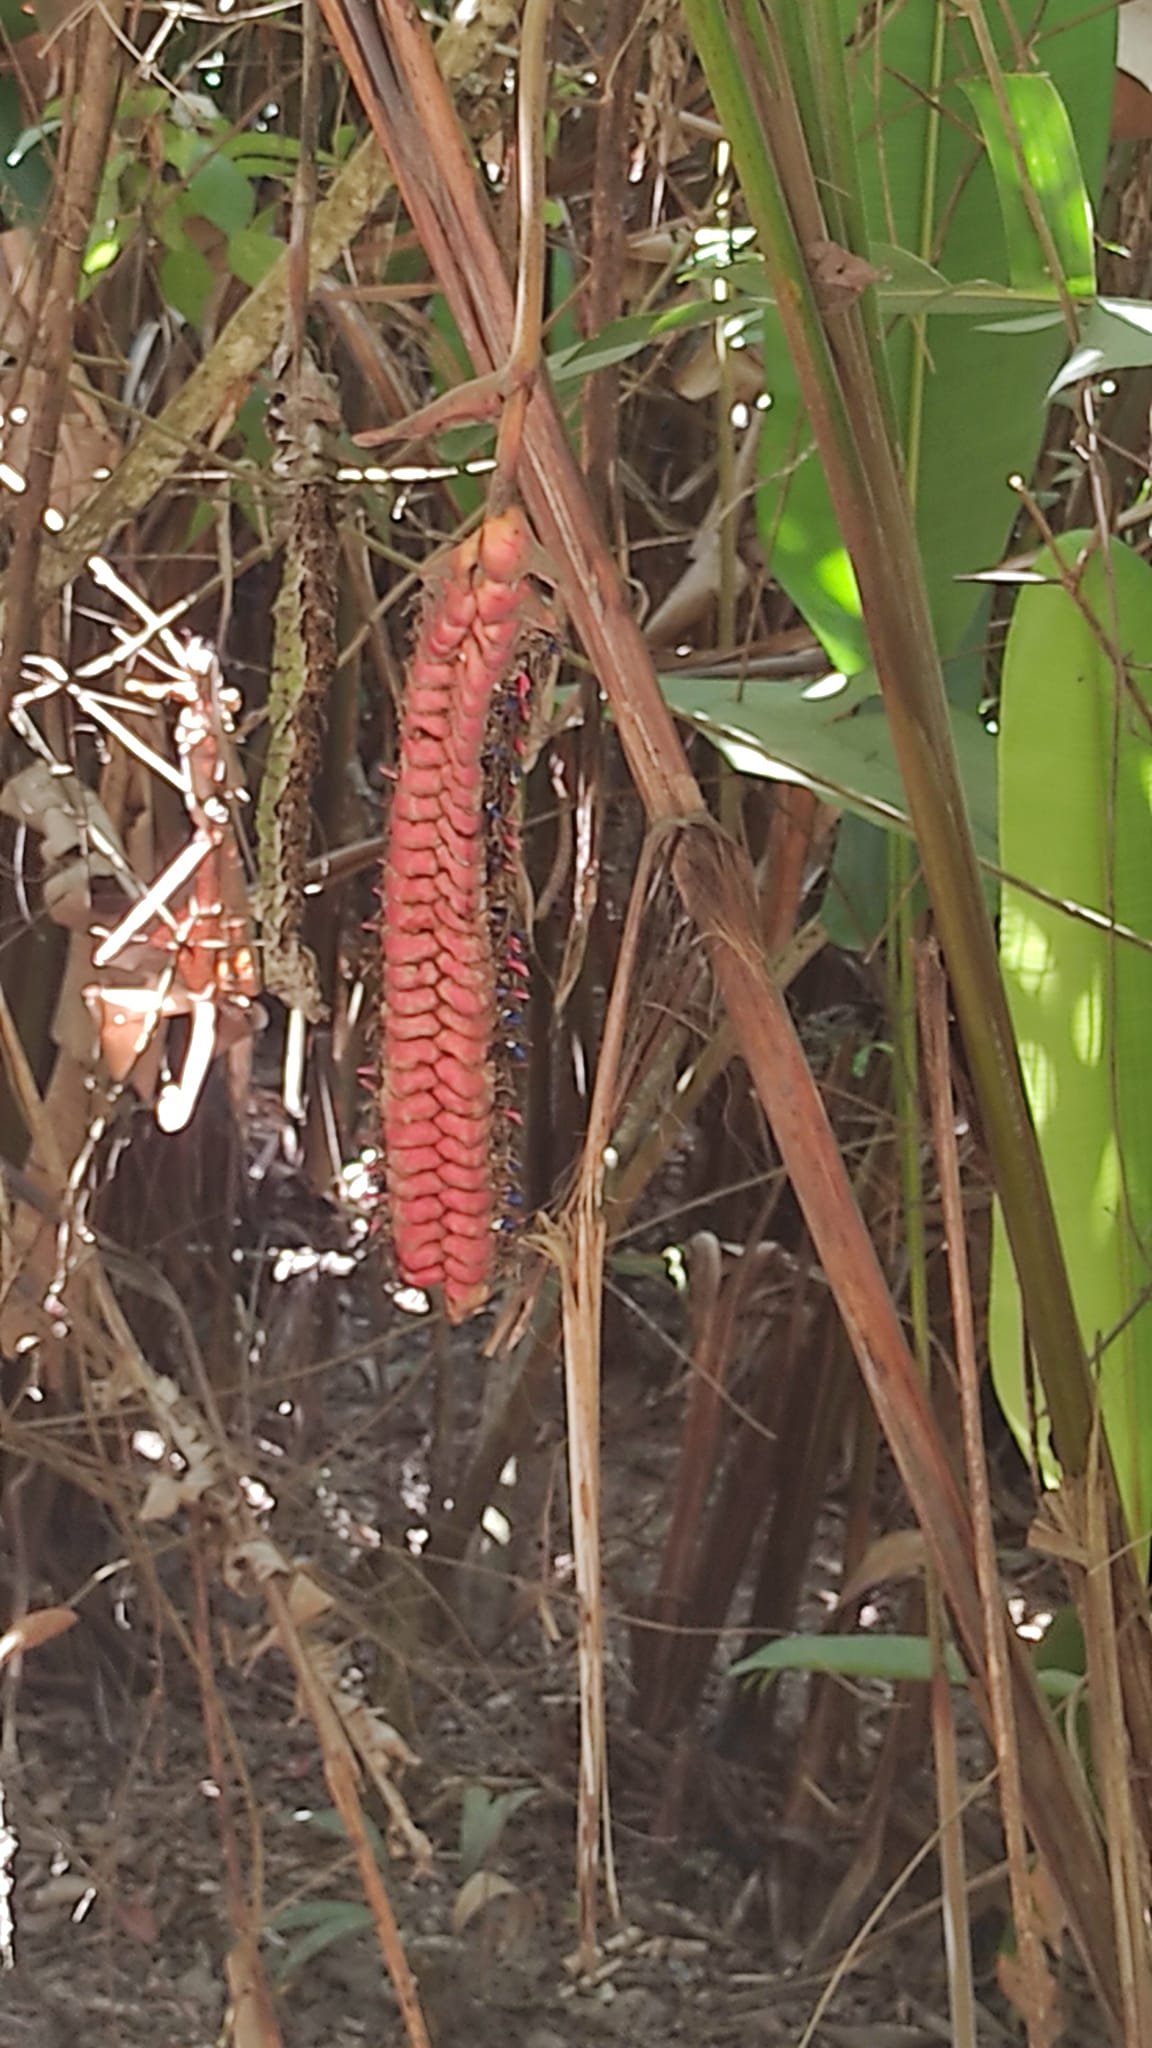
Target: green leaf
column 17, row 20
column 144, row 102
column 220, row 193
column 627, row 337
column 25, row 177
column 930, row 191
column 833, row 737
column 326, row 1922
column 251, row 254
column 102, row 252
column 187, row 280
column 1115, row 334
column 564, row 330
column 184, row 147
column 326, row 1821
column 483, row 1817
column 171, row 221
column 30, row 138
column 266, row 155
column 896, row 1658
column 930, row 199
column 1048, row 148
column 1075, row 818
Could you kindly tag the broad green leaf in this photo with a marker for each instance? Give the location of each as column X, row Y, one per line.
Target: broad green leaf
column 266, row 156
column 326, row 1821
column 171, row 220
column 185, row 146
column 187, row 280
column 930, row 191
column 899, row 1659
column 1043, row 134
column 30, row 138
column 220, row 193
column 564, row 330
column 907, row 284
column 1076, row 819
column 896, row 1658
column 911, row 288
column 961, row 386
column 251, row 254
column 832, row 736
column 144, row 102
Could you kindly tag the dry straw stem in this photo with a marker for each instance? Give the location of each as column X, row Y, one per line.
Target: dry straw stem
column 207, row 401
column 254, row 2019
column 1112, row 1755
column 577, row 1244
column 340, row 1774
column 932, row 992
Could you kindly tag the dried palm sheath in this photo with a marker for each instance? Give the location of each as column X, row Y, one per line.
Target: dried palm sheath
column 452, row 958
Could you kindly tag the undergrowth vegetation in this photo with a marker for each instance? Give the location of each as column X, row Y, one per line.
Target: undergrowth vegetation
column 574, row 812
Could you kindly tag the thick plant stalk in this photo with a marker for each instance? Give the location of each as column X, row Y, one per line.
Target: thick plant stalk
column 442, row 1147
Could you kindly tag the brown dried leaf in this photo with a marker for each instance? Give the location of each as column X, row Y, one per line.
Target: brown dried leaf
column 1045, row 2018
column 478, row 1892
column 307, row 1600
column 259, row 1559
column 40, row 1626
column 838, row 275
column 1050, row 1913
column 166, row 1495
column 168, row 1491
column 898, row 1555
column 137, row 1919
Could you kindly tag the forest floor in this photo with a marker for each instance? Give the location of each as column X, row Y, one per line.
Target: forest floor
column 121, row 1922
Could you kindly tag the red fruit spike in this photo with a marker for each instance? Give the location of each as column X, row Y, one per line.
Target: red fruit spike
column 439, row 977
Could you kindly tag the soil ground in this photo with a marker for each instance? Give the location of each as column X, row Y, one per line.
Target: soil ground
column 120, row 1904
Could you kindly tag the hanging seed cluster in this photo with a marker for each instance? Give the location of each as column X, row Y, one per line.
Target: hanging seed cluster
column 452, row 960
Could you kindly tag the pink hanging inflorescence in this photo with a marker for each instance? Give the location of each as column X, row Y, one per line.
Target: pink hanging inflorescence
column 441, row 999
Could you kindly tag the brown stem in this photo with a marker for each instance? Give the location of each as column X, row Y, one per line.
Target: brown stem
column 524, row 362
column 620, row 62
column 93, row 57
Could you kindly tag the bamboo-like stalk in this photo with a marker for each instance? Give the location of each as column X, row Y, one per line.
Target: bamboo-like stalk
column 781, row 167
